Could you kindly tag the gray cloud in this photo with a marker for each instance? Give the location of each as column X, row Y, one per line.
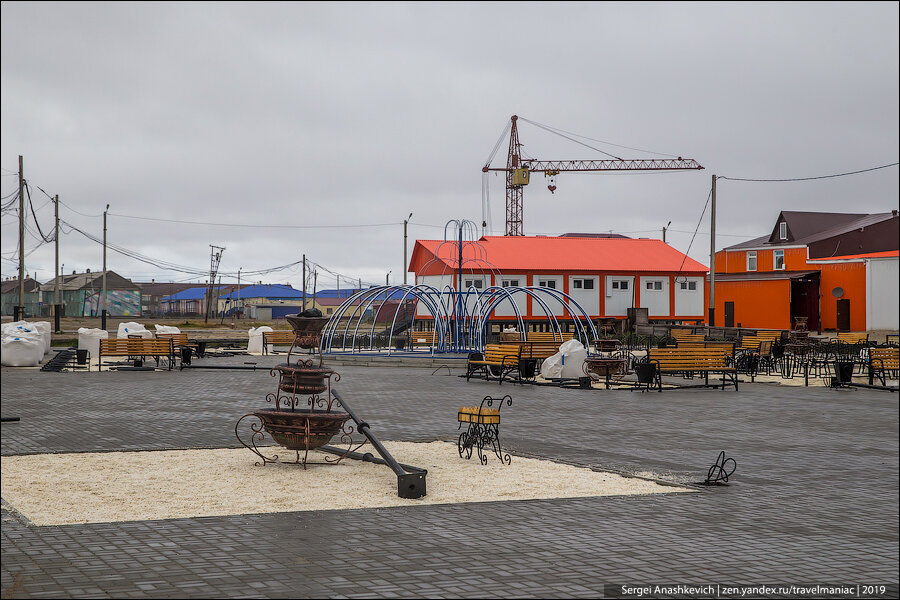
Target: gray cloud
column 362, row 113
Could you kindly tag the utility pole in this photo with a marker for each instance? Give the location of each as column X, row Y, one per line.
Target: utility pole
column 56, row 300
column 103, row 297
column 215, row 257
column 712, row 256
column 315, row 275
column 664, row 231
column 405, row 264
column 387, row 278
column 239, row 294
column 19, row 311
column 304, row 282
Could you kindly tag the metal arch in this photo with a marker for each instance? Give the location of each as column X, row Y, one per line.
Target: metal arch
column 528, row 291
column 568, row 303
column 567, row 299
column 497, row 294
column 411, row 290
column 363, row 301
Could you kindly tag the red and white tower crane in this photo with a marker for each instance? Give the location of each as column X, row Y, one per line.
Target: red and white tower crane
column 518, row 171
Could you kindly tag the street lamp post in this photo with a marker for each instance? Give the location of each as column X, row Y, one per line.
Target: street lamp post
column 387, row 278
column 103, row 298
column 405, row 264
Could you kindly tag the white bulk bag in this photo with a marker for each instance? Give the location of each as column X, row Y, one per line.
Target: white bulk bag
column 132, row 329
column 17, row 327
column 89, row 339
column 44, row 328
column 573, row 356
column 255, row 345
column 22, row 350
column 551, row 368
column 166, row 329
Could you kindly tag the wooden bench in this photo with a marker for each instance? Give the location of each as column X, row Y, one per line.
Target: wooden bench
column 852, row 338
column 180, row 340
column 497, row 357
column 280, row 337
column 725, row 345
column 548, row 336
column 881, row 362
column 686, row 335
column 137, row 347
column 687, row 361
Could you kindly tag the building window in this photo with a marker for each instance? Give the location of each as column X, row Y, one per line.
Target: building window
column 689, row 285
column 782, row 231
column 619, row 284
column 583, row 284
column 654, row 285
column 550, row 283
column 779, row 260
column 751, row 261
column 510, row 283
column 328, row 311
column 477, row 283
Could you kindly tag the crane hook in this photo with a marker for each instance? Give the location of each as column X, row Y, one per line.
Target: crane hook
column 552, row 176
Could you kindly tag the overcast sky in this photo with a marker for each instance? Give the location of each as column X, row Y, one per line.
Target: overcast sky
column 351, row 116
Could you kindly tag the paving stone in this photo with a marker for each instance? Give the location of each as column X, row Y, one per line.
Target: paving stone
column 814, row 498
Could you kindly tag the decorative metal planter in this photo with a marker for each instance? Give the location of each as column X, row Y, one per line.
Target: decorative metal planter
column 482, row 429
column 302, row 429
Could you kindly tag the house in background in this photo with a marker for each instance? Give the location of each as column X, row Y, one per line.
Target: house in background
column 9, row 296
column 836, row 271
column 152, row 293
column 606, row 275
column 273, row 300
column 81, row 294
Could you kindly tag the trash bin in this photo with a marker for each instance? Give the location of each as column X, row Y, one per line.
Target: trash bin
column 186, row 355
column 646, row 372
column 843, row 371
column 81, row 355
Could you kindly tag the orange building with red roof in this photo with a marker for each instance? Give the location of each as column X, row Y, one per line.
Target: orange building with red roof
column 606, row 275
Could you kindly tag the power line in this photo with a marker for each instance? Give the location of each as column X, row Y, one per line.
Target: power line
column 808, row 178
column 182, row 221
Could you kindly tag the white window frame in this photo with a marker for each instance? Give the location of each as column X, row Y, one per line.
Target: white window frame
column 782, row 231
column 775, row 256
column 547, row 283
column 654, row 285
column 509, row 283
column 751, row 257
column 478, row 284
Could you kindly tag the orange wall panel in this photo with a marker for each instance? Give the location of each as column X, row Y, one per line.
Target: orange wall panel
column 851, row 277
column 762, row 304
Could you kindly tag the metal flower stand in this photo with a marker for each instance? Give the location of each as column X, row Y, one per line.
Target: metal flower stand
column 483, row 429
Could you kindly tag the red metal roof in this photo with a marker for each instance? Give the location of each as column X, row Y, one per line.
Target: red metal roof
column 885, row 254
column 569, row 254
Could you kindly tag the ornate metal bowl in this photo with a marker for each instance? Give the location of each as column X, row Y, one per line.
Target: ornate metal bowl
column 302, row 429
column 297, row 379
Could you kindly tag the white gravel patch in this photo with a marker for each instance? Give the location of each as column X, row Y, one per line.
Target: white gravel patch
column 62, row 489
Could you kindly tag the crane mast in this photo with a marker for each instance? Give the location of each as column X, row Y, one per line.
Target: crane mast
column 518, row 172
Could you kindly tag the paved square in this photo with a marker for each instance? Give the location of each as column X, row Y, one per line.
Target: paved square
column 814, row 498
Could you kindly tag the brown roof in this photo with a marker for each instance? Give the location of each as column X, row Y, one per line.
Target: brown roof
column 805, row 228
column 31, row 285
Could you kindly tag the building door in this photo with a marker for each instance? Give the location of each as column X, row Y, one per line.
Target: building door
column 805, row 302
column 729, row 314
column 843, row 314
